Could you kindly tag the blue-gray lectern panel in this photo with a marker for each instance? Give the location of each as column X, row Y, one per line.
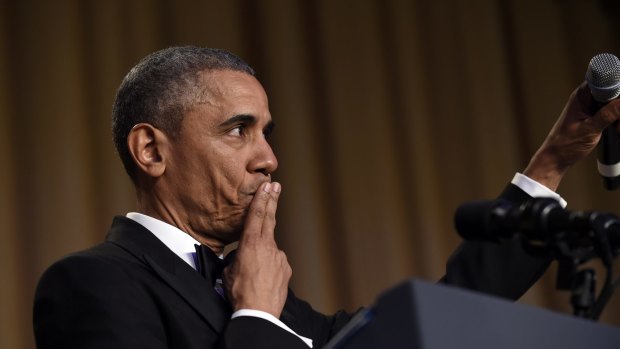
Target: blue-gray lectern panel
column 421, row 315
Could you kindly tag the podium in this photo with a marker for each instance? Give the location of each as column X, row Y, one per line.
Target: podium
column 421, row 315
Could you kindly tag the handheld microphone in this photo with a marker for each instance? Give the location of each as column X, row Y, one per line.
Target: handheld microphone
column 603, row 78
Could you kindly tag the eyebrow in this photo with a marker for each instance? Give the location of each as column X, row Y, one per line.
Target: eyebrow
column 239, row 119
column 247, row 120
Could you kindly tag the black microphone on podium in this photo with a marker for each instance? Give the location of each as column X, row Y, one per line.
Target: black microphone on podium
column 603, row 78
column 497, row 220
column 545, row 228
column 538, row 220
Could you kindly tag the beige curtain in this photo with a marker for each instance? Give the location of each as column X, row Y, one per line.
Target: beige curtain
column 390, row 114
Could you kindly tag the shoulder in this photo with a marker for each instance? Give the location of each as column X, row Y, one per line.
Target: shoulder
column 105, row 260
column 96, row 293
column 110, row 259
column 101, row 272
column 105, row 272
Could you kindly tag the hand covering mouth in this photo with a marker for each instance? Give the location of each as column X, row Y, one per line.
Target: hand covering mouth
column 253, row 192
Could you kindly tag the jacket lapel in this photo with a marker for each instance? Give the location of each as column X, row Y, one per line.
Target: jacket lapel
column 186, row 281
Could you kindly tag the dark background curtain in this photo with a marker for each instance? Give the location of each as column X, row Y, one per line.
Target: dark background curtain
column 390, row 114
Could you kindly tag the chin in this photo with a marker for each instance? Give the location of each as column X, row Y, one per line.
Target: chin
column 232, row 232
column 228, row 226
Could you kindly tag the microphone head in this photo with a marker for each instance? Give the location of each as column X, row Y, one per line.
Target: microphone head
column 603, row 77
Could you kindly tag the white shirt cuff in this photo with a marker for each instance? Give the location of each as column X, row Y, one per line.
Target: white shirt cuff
column 270, row 318
column 535, row 189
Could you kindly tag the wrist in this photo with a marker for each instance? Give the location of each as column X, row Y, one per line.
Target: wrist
column 258, row 306
column 546, row 168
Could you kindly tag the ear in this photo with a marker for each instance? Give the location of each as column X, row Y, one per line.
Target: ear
column 148, row 147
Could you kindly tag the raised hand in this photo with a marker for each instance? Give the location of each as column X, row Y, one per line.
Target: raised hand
column 572, row 138
column 258, row 278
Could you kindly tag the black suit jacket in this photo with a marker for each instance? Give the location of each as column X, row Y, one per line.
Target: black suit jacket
column 132, row 292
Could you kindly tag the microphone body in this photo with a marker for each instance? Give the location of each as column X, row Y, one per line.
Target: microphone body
column 603, row 78
column 540, row 220
column 498, row 220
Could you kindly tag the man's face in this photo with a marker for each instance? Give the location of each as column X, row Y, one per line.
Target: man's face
column 221, row 156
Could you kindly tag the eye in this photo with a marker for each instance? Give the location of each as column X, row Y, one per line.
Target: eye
column 237, row 131
column 267, row 131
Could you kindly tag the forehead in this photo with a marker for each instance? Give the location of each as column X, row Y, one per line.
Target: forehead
column 233, row 93
column 222, row 96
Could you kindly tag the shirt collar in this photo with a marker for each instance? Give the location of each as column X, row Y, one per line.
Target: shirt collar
column 179, row 242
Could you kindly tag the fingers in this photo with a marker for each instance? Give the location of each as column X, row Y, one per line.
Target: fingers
column 262, row 212
column 606, row 115
column 269, row 221
column 610, row 112
column 582, row 106
column 584, row 98
column 259, row 276
column 256, row 212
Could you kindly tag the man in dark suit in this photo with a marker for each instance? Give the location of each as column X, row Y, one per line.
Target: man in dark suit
column 191, row 127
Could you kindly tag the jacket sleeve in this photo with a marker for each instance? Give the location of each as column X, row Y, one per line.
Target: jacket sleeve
column 251, row 332
column 502, row 269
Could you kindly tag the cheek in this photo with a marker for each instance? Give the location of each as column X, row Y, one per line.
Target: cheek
column 235, row 179
column 224, row 175
column 228, row 181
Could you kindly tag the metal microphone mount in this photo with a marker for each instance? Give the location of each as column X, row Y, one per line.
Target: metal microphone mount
column 545, row 228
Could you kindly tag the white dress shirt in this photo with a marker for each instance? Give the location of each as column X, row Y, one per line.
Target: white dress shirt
column 535, row 189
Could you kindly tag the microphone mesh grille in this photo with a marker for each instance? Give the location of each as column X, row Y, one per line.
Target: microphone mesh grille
column 603, row 77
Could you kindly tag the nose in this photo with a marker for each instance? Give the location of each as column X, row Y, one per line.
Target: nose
column 263, row 160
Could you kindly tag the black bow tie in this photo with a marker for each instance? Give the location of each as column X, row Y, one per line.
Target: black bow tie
column 210, row 266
